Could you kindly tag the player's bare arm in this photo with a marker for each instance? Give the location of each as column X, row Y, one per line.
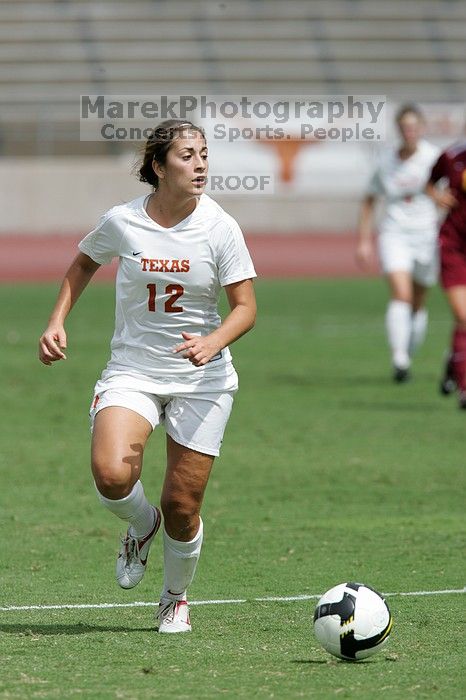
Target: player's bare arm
column 53, row 340
column 443, row 198
column 200, row 349
column 365, row 246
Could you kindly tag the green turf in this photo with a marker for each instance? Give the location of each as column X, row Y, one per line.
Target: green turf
column 329, row 472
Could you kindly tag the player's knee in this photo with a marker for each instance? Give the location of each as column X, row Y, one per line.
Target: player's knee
column 460, row 316
column 182, row 507
column 112, row 481
column 180, row 512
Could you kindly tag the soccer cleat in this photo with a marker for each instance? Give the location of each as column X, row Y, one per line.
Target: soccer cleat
column 462, row 400
column 173, row 616
column 401, row 374
column 448, row 382
column 132, row 557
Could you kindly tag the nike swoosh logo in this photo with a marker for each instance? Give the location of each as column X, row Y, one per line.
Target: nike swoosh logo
column 145, row 539
column 138, row 253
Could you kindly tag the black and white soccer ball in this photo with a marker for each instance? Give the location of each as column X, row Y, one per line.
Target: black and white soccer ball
column 352, row 621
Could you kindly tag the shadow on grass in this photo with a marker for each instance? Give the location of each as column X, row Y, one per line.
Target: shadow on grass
column 24, row 630
column 332, row 661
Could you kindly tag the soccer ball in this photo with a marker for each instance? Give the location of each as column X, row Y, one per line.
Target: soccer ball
column 352, row 621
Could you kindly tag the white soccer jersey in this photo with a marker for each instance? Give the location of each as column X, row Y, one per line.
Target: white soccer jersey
column 168, row 281
column 402, row 183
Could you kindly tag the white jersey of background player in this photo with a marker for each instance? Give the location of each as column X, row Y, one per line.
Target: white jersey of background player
column 408, row 210
column 407, row 241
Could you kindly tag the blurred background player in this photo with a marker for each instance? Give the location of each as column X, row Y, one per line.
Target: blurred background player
column 407, row 239
column 170, row 363
column 451, row 167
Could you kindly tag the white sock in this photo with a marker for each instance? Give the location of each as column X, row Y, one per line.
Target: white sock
column 180, row 561
column 419, row 322
column 135, row 508
column 398, row 326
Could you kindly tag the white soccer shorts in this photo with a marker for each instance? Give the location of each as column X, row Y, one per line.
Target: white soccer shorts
column 194, row 420
column 403, row 251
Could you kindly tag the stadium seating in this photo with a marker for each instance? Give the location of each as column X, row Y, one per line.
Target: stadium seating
column 51, row 52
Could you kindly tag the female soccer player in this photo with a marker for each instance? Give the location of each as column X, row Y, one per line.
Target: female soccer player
column 451, row 165
column 170, row 363
column 407, row 236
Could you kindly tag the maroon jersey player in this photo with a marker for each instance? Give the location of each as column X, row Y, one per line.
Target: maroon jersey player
column 451, row 167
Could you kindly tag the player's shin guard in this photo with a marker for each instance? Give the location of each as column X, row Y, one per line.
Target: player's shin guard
column 419, row 322
column 459, row 358
column 398, row 326
column 180, row 560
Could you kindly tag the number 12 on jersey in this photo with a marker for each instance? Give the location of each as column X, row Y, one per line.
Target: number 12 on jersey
column 174, row 290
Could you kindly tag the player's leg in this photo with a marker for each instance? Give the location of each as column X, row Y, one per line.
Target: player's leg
column 195, row 427
column 419, row 318
column 119, row 437
column 447, row 384
column 425, row 275
column 456, row 296
column 398, row 320
column 118, row 441
column 183, row 491
column 453, row 277
column 397, row 260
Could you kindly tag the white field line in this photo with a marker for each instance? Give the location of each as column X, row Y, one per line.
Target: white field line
column 231, row 601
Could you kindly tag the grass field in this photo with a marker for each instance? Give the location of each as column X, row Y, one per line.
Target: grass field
column 329, row 473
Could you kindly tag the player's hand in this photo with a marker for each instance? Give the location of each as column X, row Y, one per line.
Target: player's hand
column 365, row 254
column 197, row 349
column 445, row 199
column 51, row 344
